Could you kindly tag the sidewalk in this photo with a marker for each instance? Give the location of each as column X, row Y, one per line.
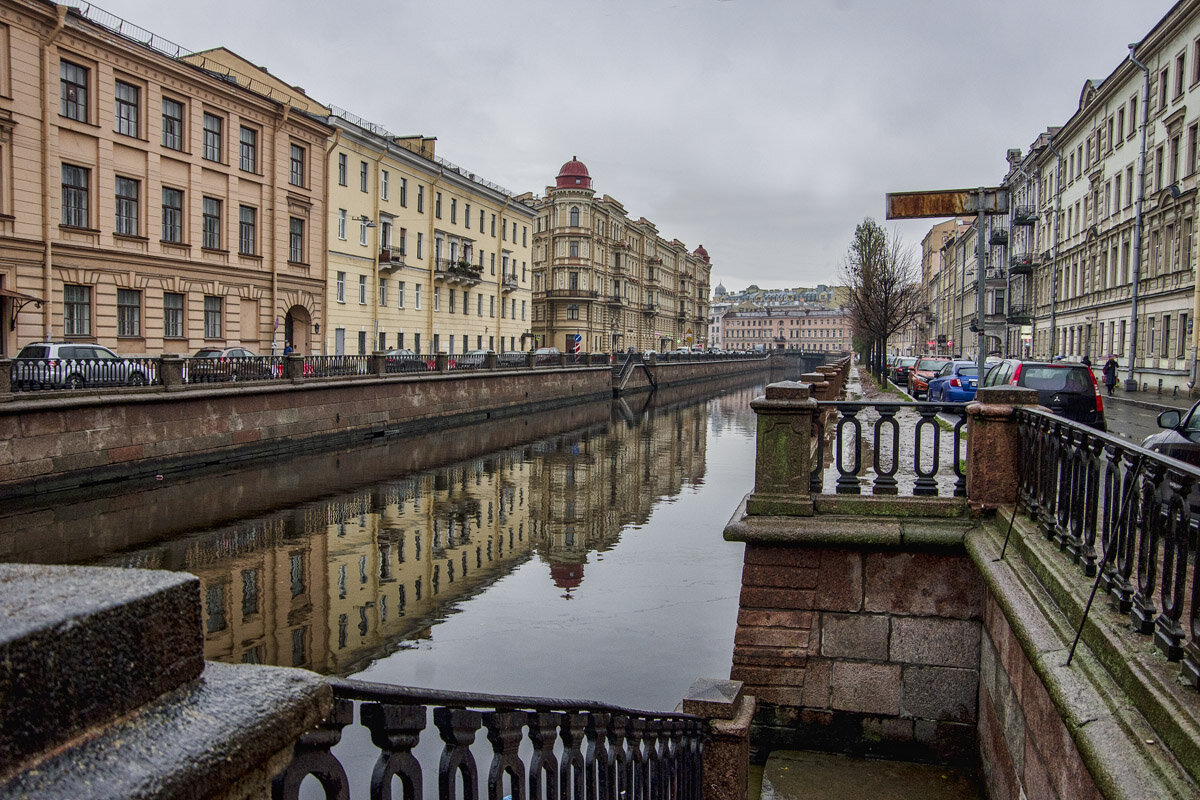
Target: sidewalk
column 1150, row 400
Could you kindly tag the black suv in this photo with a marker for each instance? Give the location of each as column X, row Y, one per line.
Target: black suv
column 1066, row 388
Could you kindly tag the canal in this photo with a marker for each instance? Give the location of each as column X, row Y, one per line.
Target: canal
column 575, row 555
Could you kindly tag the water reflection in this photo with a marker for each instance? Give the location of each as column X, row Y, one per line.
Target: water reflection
column 336, row 583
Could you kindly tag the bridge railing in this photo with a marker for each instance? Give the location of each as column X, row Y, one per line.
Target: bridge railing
column 535, row 747
column 1125, row 516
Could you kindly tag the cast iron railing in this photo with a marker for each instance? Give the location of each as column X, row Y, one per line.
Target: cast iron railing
column 929, row 464
column 1123, row 514
column 539, row 748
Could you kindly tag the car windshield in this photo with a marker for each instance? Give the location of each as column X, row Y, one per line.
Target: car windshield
column 207, row 353
column 1055, row 379
column 931, row 363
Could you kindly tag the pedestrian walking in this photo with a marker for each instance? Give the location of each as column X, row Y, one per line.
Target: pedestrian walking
column 1110, row 374
column 1087, row 362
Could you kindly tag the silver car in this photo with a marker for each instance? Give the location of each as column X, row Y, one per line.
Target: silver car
column 68, row 365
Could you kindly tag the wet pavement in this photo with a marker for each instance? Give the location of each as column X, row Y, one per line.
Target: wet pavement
column 799, row 775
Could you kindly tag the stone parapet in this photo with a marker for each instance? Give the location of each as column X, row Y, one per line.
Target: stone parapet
column 106, row 693
column 727, row 751
column 992, row 468
column 784, row 455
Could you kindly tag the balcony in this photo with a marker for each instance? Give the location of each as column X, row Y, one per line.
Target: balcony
column 457, row 272
column 1020, row 315
column 649, row 309
column 1024, row 215
column 391, row 258
column 508, row 283
column 1023, row 263
column 999, row 236
column 572, row 294
column 614, row 300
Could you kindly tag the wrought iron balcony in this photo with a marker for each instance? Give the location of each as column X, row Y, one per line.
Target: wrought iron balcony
column 573, row 294
column 1023, row 263
column 615, row 300
column 508, row 283
column 999, row 236
column 1020, row 315
column 457, row 272
column 391, row 257
column 649, row 308
column 1024, row 215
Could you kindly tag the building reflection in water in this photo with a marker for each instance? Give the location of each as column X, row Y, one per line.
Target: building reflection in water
column 336, row 584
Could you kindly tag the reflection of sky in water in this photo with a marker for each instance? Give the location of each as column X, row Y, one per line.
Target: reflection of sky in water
column 651, row 614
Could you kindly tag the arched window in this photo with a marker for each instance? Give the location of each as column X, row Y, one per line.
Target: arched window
column 574, row 216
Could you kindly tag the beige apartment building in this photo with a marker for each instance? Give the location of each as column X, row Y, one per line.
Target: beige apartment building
column 423, row 255
column 605, row 283
column 151, row 200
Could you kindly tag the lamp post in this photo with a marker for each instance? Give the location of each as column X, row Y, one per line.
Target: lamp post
column 1130, row 382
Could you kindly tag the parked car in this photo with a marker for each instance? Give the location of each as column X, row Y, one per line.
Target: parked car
column 404, row 360
column 67, row 365
column 472, row 360
column 1180, row 437
column 211, row 364
column 546, row 355
column 954, row 383
column 900, row 370
column 1066, row 388
column 920, row 373
column 512, row 358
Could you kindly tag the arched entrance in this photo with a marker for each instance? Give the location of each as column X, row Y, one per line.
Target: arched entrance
column 297, row 329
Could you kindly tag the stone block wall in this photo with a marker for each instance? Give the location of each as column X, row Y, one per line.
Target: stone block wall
column 853, row 650
column 1025, row 748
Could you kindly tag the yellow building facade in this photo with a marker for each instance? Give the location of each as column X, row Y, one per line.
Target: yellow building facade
column 423, row 255
column 150, row 203
column 604, row 283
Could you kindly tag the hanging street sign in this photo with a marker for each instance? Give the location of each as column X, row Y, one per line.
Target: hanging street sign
column 946, row 203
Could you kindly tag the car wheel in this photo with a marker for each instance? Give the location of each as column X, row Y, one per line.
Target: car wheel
column 74, row 381
column 137, row 379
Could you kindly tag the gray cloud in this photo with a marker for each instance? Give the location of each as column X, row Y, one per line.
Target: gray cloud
column 764, row 129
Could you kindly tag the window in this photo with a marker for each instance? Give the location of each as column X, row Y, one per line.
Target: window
column 247, row 222
column 172, row 215
column 127, row 206
column 248, row 149
column 481, row 220
column 467, row 215
column 362, row 230
column 75, row 181
column 453, row 210
column 362, row 176
column 492, row 306
column 126, row 98
column 212, row 317
column 77, row 310
column 420, row 243
column 74, row 82
column 296, row 240
column 400, row 296
column 383, row 183
column 362, row 290
column 172, row 124
column 1133, row 104
column 129, row 312
column 296, row 176
column 437, row 299
column 1162, row 88
column 383, row 293
column 1166, row 336
column 212, row 136
column 404, row 192
column 572, row 312
column 420, row 199
column 573, row 249
column 211, row 235
column 452, row 298
column 341, row 218
column 342, row 159
column 341, row 287
column 574, row 216
column 402, row 241
column 524, row 234
column 1180, row 64
column 437, row 205
column 172, row 315
column 417, row 305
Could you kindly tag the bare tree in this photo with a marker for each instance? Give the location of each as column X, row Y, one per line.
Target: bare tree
column 885, row 290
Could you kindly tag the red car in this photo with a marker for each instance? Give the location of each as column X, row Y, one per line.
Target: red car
column 918, row 377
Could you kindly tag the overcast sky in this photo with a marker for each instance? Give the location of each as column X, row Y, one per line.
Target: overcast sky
column 763, row 129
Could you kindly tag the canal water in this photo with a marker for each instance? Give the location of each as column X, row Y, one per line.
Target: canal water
column 575, row 554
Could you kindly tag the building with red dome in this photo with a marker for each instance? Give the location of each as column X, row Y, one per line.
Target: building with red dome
column 604, row 282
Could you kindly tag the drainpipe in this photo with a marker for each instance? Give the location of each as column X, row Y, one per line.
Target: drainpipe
column 1058, row 186
column 47, row 257
column 1130, row 382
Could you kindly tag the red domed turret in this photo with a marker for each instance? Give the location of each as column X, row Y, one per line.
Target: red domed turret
column 701, row 254
column 574, row 175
